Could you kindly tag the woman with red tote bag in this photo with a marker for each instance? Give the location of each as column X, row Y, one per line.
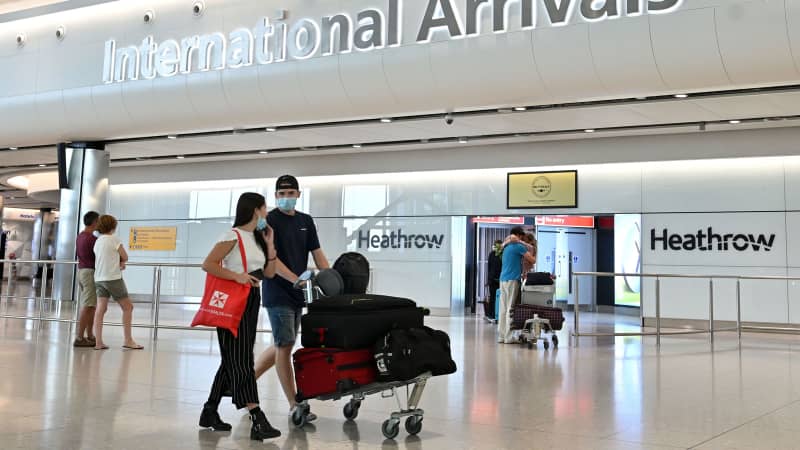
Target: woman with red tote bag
column 236, row 372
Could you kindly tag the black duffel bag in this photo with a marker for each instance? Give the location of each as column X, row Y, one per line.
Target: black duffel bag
column 404, row 354
column 539, row 279
column 354, row 269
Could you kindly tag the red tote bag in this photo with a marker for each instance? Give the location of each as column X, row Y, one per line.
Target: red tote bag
column 224, row 301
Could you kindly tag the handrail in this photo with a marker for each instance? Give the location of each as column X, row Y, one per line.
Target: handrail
column 658, row 277
column 155, row 300
column 677, row 275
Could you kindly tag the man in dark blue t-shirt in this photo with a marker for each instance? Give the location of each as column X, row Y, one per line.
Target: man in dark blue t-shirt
column 295, row 237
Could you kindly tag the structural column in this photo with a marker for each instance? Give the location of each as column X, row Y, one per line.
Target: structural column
column 86, row 190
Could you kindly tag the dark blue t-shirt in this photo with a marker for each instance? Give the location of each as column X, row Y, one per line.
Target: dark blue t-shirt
column 295, row 237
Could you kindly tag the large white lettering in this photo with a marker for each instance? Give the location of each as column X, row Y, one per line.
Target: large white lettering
column 276, row 41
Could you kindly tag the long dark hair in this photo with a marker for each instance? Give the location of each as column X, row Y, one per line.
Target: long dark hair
column 248, row 203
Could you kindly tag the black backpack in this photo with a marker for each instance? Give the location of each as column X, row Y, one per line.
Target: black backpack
column 404, row 354
column 354, row 269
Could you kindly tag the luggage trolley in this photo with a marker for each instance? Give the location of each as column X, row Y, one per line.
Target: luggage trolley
column 391, row 426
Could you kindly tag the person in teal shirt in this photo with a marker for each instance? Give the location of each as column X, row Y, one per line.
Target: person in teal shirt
column 513, row 256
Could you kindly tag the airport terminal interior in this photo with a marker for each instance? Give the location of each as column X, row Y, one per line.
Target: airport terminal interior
column 461, row 224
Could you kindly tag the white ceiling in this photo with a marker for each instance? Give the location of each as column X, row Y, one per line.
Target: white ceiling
column 569, row 121
column 638, row 118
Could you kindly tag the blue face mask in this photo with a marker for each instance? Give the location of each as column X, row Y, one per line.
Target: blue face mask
column 287, row 204
column 262, row 224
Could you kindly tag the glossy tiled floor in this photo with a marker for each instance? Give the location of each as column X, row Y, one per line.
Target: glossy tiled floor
column 605, row 394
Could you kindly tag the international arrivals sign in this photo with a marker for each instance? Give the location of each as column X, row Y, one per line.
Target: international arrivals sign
column 273, row 41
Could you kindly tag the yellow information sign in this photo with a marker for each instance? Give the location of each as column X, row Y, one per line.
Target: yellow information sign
column 534, row 190
column 153, row 238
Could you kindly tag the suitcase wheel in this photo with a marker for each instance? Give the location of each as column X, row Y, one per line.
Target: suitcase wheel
column 351, row 410
column 391, row 429
column 414, row 425
column 300, row 417
column 555, row 341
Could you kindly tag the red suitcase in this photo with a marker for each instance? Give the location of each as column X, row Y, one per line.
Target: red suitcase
column 327, row 371
column 524, row 312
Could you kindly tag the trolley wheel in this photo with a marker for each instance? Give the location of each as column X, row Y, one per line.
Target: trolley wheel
column 546, row 345
column 555, row 341
column 351, row 410
column 414, row 425
column 299, row 418
column 390, row 429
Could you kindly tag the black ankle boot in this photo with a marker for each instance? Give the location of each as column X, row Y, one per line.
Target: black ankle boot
column 209, row 418
column 261, row 428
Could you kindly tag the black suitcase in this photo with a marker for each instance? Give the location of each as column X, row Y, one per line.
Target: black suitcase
column 352, row 322
column 539, row 279
column 359, row 302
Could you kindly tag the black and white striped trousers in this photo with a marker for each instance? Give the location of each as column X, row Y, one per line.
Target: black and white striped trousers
column 236, row 373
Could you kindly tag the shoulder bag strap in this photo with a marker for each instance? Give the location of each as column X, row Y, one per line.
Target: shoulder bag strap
column 241, row 250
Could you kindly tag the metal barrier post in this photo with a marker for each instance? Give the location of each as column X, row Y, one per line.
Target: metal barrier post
column 157, row 299
column 153, row 297
column 577, row 307
column 658, row 312
column 43, row 294
column 739, row 310
column 711, row 309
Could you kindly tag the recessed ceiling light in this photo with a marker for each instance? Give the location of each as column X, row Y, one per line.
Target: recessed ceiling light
column 13, row 148
column 387, row 120
column 520, row 108
column 734, row 122
column 505, row 110
column 271, row 129
column 641, row 98
column 356, row 145
column 681, row 95
column 42, row 165
column 263, row 152
column 589, row 130
column 463, row 140
column 172, row 136
column 180, row 157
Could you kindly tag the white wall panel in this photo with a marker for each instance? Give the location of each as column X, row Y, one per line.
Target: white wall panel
column 564, row 59
column 762, row 300
column 502, row 70
column 411, row 88
column 567, row 65
column 243, row 94
column 80, row 116
column 282, row 91
column 322, row 86
column 618, row 44
column 792, row 170
column 754, row 43
column 692, row 62
column 710, row 185
column 365, row 83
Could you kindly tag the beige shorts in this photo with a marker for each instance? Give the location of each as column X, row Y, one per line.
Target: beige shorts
column 88, row 290
column 115, row 289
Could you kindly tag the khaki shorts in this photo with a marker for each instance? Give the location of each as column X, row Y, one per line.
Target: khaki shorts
column 115, row 289
column 88, row 290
